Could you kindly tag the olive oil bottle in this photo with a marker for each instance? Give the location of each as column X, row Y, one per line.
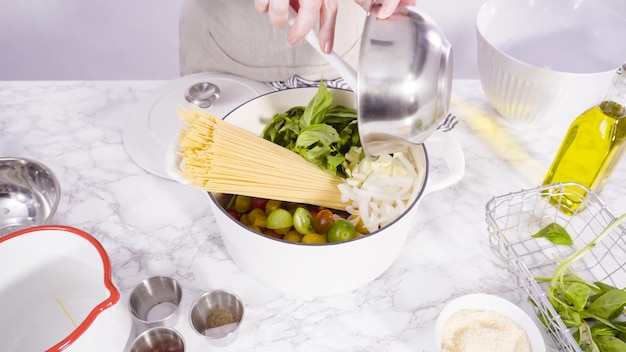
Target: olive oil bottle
column 593, row 145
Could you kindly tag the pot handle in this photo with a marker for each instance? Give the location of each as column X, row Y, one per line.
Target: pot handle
column 173, row 161
column 444, row 146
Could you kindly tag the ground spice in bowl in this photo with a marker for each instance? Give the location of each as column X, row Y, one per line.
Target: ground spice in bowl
column 219, row 317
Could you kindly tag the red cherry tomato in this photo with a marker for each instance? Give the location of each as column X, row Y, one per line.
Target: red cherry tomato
column 259, row 203
column 323, row 221
column 272, row 233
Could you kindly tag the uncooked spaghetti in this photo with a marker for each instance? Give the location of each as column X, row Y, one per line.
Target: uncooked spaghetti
column 220, row 157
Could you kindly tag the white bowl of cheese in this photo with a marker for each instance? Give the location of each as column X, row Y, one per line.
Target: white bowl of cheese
column 483, row 322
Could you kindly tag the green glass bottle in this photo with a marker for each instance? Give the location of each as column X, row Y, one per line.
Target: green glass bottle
column 593, row 145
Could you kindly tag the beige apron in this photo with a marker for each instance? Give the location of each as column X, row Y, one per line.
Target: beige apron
column 230, row 36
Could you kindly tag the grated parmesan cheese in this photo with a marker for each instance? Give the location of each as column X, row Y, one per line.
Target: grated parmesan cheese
column 483, row 330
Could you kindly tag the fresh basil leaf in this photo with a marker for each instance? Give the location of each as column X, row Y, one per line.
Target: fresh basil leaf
column 318, row 132
column 317, row 107
column 282, row 127
column 608, row 305
column 556, row 234
column 621, row 327
column 576, row 294
column 585, row 339
column 570, row 317
column 296, row 111
column 603, row 330
column 316, row 154
column 319, row 156
column 288, row 134
column 334, row 161
column 323, row 134
column 599, row 320
column 610, row 344
column 271, row 129
column 340, row 115
column 604, row 287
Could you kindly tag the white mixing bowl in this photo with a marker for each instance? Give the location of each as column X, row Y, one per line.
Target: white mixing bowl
column 545, row 62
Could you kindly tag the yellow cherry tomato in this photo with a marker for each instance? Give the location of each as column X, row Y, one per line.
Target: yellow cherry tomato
column 314, row 238
column 293, row 236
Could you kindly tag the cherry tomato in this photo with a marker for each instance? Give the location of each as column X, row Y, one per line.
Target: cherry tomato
column 273, row 233
column 359, row 226
column 259, row 203
column 242, row 204
column 323, row 220
column 244, row 219
column 255, row 228
column 234, row 214
column 260, row 221
column 293, row 236
column 272, row 205
column 279, row 219
column 314, row 238
column 341, row 230
column 256, row 213
column 303, row 221
column 283, row 230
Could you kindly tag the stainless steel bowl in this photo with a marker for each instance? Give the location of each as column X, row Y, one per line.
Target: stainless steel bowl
column 160, row 338
column 29, row 194
column 155, row 302
column 222, row 329
column 404, row 80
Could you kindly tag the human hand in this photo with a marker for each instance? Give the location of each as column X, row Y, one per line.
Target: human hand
column 310, row 10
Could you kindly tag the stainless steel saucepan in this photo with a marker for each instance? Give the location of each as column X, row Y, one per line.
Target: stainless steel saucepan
column 403, row 82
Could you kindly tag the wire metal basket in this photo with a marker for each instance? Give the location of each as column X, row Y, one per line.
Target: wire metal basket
column 513, row 218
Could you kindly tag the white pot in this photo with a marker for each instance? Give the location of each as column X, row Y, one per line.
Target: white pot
column 327, row 269
column 56, row 293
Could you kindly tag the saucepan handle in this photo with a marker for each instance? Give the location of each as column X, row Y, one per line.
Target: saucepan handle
column 443, row 145
column 340, row 65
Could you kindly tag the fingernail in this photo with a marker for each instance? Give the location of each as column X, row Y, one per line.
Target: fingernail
column 382, row 15
column 327, row 47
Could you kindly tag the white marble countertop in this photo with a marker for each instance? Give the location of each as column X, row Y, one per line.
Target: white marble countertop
column 152, row 226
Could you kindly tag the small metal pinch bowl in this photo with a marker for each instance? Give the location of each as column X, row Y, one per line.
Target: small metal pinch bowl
column 202, row 94
column 161, row 339
column 216, row 315
column 403, row 82
column 155, row 302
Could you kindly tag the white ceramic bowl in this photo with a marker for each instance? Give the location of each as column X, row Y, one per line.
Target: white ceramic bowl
column 326, row 269
column 480, row 301
column 57, row 293
column 545, row 62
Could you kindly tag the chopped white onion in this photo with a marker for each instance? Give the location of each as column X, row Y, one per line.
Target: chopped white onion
column 380, row 191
